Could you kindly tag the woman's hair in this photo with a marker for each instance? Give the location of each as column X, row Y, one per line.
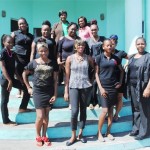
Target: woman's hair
column 85, row 20
column 107, row 39
column 46, row 22
column 141, row 39
column 42, row 44
column 114, row 37
column 3, row 39
column 94, row 21
column 62, row 12
column 23, row 19
column 78, row 42
column 72, row 23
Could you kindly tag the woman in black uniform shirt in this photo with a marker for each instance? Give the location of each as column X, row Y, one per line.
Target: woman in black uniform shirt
column 120, row 54
column 138, row 80
column 22, row 41
column 45, row 30
column 106, row 65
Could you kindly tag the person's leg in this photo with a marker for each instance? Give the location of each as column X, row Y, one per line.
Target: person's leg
column 83, row 94
column 45, row 125
column 118, row 105
column 73, row 95
column 110, row 118
column 38, row 125
column 135, row 111
column 26, row 96
column 101, row 122
column 4, row 101
column 144, row 106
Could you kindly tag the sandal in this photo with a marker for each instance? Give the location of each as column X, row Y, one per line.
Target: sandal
column 46, row 141
column 110, row 137
column 39, row 141
column 115, row 118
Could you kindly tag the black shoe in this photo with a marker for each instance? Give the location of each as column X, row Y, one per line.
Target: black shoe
column 139, row 137
column 83, row 140
column 68, row 143
column 133, row 133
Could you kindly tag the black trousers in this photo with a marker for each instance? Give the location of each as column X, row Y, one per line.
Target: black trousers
column 78, row 96
column 140, row 113
column 5, row 98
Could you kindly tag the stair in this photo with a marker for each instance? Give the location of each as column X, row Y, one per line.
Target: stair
column 59, row 125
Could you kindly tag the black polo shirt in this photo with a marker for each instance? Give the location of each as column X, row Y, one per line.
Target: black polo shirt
column 107, row 74
column 120, row 54
column 9, row 63
column 23, row 43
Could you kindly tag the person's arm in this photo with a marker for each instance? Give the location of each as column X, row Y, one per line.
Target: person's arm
column 102, row 90
column 33, row 49
column 146, row 92
column 26, row 81
column 53, row 31
column 121, row 76
column 67, row 69
column 55, row 87
column 6, row 75
column 91, row 67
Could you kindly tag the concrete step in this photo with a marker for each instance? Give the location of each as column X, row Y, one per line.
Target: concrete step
column 54, row 115
column 62, row 129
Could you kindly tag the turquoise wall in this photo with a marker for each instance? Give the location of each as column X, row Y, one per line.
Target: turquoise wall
column 116, row 20
column 14, row 9
column 35, row 11
column 75, row 9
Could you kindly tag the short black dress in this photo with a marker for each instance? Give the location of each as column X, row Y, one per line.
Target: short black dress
column 108, row 78
column 43, row 82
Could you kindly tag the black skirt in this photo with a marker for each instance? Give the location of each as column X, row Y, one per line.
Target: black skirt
column 42, row 95
column 111, row 99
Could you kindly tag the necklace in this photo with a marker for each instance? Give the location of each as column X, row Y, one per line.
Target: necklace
column 9, row 53
column 79, row 58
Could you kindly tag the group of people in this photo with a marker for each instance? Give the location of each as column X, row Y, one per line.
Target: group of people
column 87, row 63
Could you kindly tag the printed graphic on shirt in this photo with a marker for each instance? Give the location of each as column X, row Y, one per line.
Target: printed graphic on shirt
column 43, row 73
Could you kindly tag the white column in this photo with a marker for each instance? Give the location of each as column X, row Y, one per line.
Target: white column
column 133, row 24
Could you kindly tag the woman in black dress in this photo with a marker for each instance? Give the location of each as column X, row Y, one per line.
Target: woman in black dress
column 106, row 66
column 44, row 89
column 138, row 80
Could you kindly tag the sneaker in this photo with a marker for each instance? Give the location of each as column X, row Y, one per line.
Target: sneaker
column 69, row 106
column 97, row 106
column 91, row 106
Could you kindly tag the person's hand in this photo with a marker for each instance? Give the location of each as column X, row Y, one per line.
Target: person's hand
column 30, row 90
column 9, row 87
column 52, row 100
column 66, row 96
column 104, row 93
column 146, row 93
